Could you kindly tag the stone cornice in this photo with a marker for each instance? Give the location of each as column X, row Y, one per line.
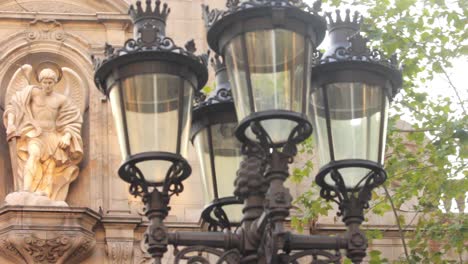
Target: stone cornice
column 97, row 17
column 50, row 209
column 45, row 234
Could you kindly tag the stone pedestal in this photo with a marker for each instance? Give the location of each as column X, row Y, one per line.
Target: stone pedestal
column 46, row 234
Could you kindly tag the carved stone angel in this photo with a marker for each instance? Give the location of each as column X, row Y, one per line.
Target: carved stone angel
column 44, row 131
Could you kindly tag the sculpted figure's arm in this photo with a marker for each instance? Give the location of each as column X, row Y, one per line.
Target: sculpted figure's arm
column 73, row 115
column 65, row 140
column 11, row 128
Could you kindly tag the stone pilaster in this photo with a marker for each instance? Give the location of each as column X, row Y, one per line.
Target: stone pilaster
column 120, row 237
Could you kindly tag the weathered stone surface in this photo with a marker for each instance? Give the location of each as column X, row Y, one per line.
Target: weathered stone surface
column 46, row 234
column 31, row 199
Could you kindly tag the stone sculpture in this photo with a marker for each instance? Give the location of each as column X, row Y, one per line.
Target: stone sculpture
column 44, row 134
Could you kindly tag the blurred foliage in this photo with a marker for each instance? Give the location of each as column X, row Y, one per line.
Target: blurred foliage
column 426, row 164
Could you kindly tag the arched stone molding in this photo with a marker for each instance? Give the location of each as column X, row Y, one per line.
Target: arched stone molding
column 25, row 53
column 45, row 36
column 65, row 6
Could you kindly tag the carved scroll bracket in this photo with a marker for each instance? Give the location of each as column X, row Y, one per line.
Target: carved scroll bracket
column 46, row 235
column 36, row 247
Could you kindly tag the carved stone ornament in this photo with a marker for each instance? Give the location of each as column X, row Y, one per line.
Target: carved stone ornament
column 141, row 254
column 119, row 252
column 28, row 248
column 45, row 29
column 47, row 235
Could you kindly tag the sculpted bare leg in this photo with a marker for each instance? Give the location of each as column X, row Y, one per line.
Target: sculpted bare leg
column 49, row 176
column 30, row 168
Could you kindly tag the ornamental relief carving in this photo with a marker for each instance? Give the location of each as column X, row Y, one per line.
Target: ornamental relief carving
column 28, row 248
column 119, row 252
column 46, row 250
column 8, row 250
column 141, row 254
column 45, row 29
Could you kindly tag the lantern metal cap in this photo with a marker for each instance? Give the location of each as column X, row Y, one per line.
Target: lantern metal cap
column 273, row 14
column 150, row 44
column 217, row 106
column 348, row 52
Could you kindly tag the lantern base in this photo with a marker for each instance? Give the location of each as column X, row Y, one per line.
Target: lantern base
column 258, row 127
column 178, row 171
column 376, row 175
column 218, row 218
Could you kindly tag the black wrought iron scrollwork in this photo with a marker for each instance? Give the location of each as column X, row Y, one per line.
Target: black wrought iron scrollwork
column 160, row 43
column 233, row 6
column 205, row 255
column 361, row 192
column 221, row 95
column 357, row 49
column 318, row 257
column 138, row 184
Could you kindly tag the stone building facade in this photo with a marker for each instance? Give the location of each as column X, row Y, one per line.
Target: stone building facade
column 103, row 223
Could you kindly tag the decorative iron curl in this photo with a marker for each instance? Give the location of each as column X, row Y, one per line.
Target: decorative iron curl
column 358, row 51
column 222, row 219
column 222, row 95
column 173, row 184
column 318, row 257
column 163, row 44
column 341, row 195
column 227, row 257
column 138, row 185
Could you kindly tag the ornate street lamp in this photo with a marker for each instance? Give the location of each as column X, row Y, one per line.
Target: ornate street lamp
column 352, row 87
column 213, row 135
column 150, row 83
column 268, row 47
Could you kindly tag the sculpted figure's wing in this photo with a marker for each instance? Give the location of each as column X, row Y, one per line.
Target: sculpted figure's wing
column 73, row 88
column 22, row 78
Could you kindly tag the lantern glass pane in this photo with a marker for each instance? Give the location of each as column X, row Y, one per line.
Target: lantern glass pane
column 233, row 212
column 117, row 112
column 266, row 69
column 355, row 119
column 226, row 155
column 151, row 106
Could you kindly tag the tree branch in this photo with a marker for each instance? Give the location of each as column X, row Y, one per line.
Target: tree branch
column 454, row 89
column 416, row 130
column 400, row 230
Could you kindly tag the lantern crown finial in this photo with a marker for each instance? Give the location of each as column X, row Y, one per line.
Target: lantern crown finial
column 349, row 22
column 158, row 13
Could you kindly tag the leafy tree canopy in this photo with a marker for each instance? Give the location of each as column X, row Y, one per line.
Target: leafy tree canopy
column 427, row 162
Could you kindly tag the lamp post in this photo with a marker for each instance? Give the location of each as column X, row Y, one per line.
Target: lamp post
column 280, row 91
